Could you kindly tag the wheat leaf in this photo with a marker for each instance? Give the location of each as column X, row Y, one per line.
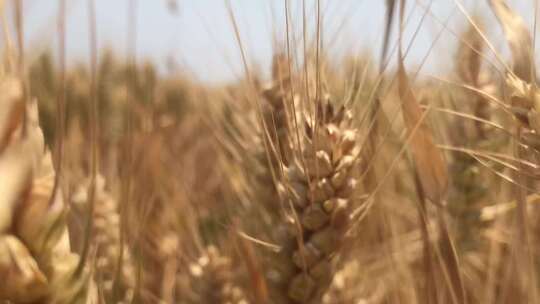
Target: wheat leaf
column 428, row 158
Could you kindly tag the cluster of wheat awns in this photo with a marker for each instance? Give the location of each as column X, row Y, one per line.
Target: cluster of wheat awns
column 331, row 183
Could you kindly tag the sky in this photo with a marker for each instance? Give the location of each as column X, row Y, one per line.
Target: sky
column 199, row 37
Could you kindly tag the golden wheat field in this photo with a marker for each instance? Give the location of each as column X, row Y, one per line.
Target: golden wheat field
column 321, row 175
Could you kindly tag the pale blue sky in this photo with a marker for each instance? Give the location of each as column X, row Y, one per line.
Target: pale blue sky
column 201, row 39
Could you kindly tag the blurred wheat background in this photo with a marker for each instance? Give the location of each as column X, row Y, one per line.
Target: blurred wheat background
column 235, row 152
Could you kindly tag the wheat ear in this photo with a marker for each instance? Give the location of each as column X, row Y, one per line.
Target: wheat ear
column 318, row 185
column 35, row 255
column 114, row 271
column 209, row 279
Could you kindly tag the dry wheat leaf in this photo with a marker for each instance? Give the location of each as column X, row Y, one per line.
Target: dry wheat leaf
column 428, row 158
column 469, row 59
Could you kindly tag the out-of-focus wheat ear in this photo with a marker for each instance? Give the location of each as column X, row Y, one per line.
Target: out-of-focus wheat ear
column 106, row 244
column 469, row 59
column 469, row 70
column 525, row 103
column 522, row 80
column 22, row 279
column 470, row 180
column 41, row 224
column 154, row 241
column 276, row 110
column 211, row 280
column 519, row 39
column 35, row 220
column 526, row 100
column 15, row 167
column 17, row 158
